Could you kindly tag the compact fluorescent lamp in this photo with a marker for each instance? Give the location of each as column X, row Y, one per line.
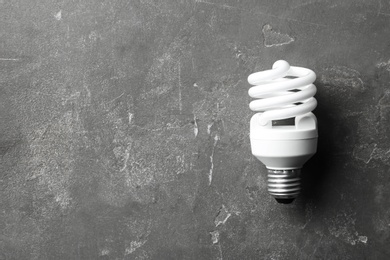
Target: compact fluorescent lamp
column 284, row 92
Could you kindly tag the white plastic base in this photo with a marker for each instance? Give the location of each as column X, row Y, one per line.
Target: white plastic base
column 284, row 154
column 284, row 147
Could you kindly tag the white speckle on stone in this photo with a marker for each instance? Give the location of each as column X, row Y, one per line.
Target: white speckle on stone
column 384, row 64
column 130, row 117
column 104, row 251
column 209, row 128
column 214, row 236
column 363, row 239
column 58, row 16
column 63, row 199
column 93, row 36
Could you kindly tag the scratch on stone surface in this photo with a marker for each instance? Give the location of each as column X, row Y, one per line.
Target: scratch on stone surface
column 112, row 100
column 360, row 152
column 273, row 38
column 159, row 129
column 67, row 34
column 9, row 59
column 88, row 92
column 196, row 129
column 222, row 216
column 126, row 159
column 259, row 13
column 366, row 153
column 47, row 94
column 308, row 215
column 379, row 7
column 216, row 138
column 220, row 252
column 304, row 3
column 216, row 4
column 316, row 247
column 180, row 86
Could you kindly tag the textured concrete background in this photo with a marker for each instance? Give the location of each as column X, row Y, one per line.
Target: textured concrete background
column 124, row 130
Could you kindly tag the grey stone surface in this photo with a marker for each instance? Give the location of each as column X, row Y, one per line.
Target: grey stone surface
column 124, row 130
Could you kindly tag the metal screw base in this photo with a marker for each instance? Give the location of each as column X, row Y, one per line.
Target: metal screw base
column 284, row 185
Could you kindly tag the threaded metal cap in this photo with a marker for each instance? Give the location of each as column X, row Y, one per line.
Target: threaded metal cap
column 284, row 185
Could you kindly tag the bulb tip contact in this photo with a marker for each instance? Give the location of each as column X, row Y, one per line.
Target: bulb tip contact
column 285, row 201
